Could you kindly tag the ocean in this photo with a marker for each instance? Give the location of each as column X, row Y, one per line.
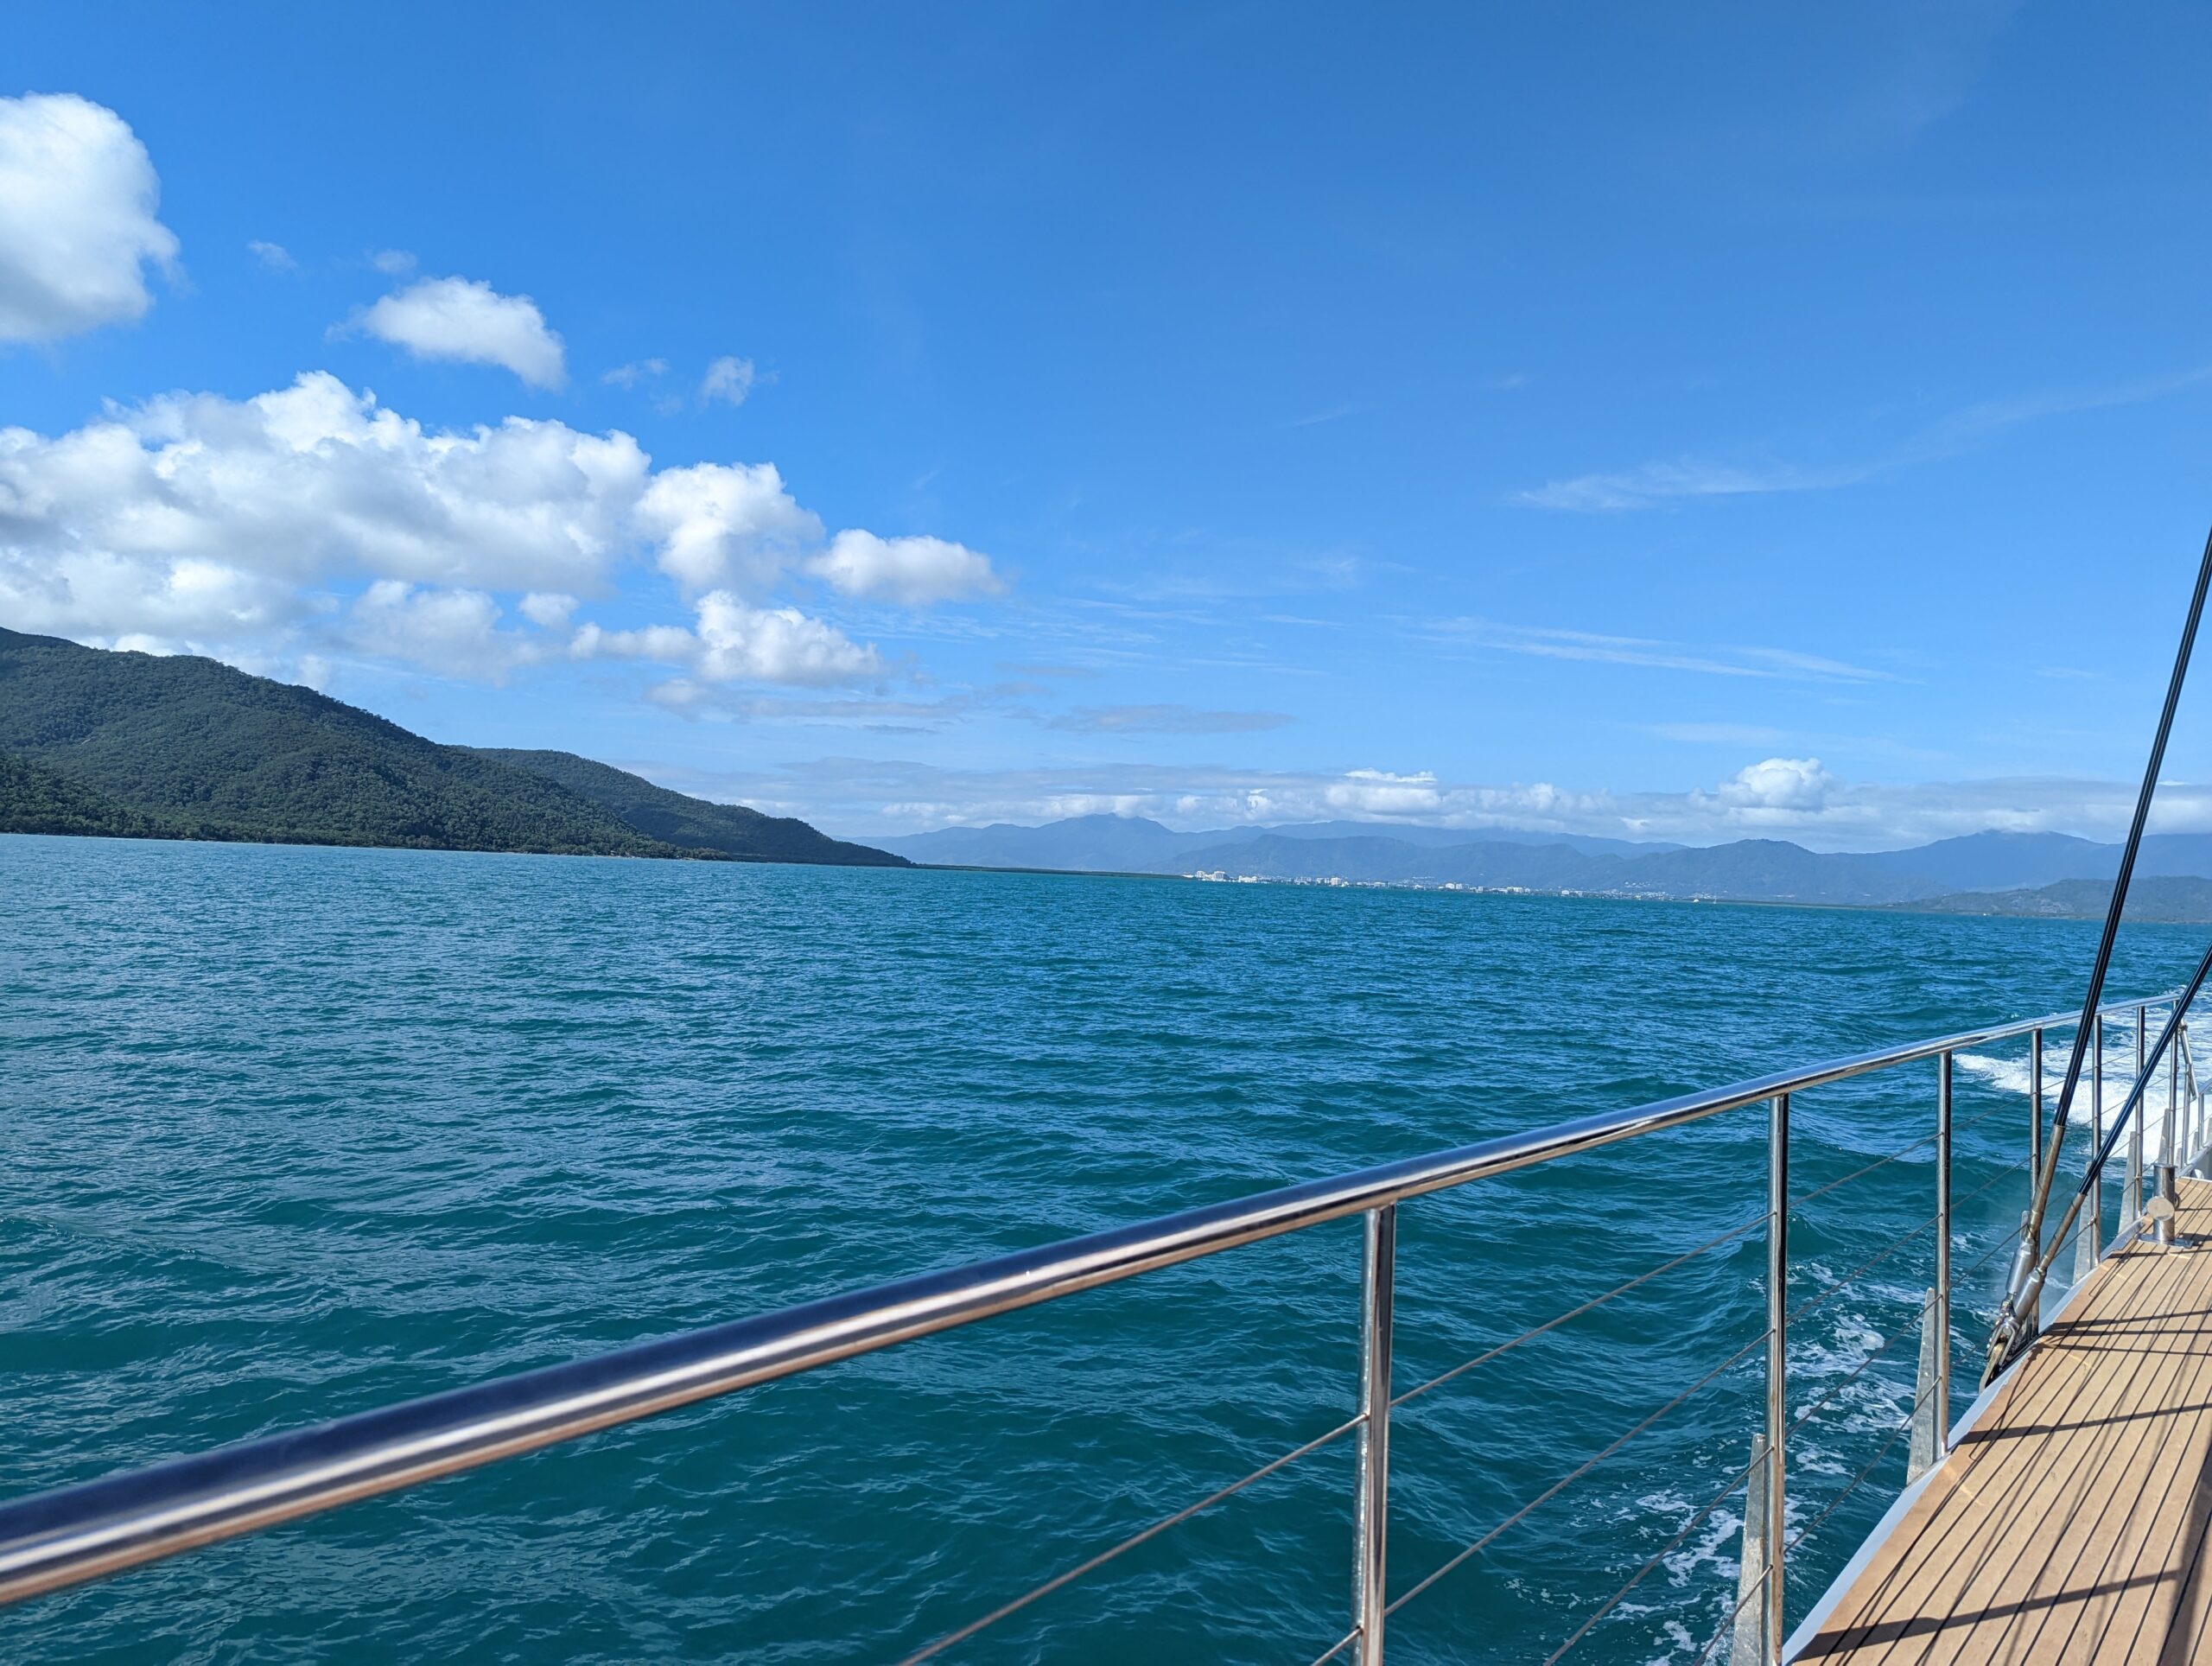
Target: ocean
column 293, row 1132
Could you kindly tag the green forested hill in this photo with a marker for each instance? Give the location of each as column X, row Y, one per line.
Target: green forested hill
column 185, row 748
column 691, row 823
column 2166, row 897
column 35, row 800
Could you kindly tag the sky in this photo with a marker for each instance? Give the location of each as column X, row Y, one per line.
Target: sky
column 1688, row 422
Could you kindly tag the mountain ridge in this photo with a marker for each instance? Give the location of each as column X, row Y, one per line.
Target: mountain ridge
column 1752, row 871
column 102, row 743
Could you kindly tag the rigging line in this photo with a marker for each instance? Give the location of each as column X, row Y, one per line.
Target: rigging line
column 1671, row 1546
column 1130, row 1543
column 1728, row 1623
column 1896, row 1435
column 1879, row 1162
column 1576, row 1474
column 1997, row 1179
column 1442, row 1377
column 2009, row 1336
column 2005, row 1333
column 1336, row 1648
column 1822, row 1404
column 1988, row 1255
column 1896, row 1244
column 1902, row 1151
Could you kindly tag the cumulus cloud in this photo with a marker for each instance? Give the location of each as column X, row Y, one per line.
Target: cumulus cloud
column 724, row 525
column 915, row 570
column 458, row 318
column 727, row 381
column 78, row 200
column 273, row 257
column 202, row 518
column 454, row 632
column 1778, row 784
column 549, row 609
column 392, row 263
column 777, row 645
column 312, row 517
column 736, row 642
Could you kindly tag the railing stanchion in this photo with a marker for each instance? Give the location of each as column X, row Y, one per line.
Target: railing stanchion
column 2035, row 1101
column 1777, row 1369
column 2096, row 1148
column 2167, row 1135
column 2031, row 1243
column 1371, row 1526
column 1942, row 1326
column 2131, row 1202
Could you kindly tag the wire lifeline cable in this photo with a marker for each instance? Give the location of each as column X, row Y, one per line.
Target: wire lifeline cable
column 2040, row 1267
column 2009, row 1334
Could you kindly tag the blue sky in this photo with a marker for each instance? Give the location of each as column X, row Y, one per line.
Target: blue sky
column 1693, row 422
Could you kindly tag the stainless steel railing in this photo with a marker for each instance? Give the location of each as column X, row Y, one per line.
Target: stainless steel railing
column 78, row 1533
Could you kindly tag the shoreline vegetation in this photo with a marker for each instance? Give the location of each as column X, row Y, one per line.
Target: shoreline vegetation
column 98, row 743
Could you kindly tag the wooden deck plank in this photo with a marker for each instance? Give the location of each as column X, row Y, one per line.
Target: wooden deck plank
column 2072, row 1523
column 1954, row 1603
column 2067, row 1579
column 1937, row 1550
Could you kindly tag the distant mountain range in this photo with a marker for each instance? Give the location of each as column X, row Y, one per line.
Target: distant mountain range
column 151, row 746
column 2150, row 897
column 2005, row 867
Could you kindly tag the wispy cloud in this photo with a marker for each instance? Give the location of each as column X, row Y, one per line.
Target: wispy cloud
column 1542, row 643
column 1725, row 735
column 728, row 380
column 1332, row 414
column 1650, row 485
column 1164, row 720
column 1655, row 483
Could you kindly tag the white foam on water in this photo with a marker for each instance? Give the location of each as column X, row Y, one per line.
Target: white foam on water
column 1679, row 1635
column 2012, row 1075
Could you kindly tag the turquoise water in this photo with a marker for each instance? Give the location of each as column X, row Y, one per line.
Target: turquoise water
column 292, row 1133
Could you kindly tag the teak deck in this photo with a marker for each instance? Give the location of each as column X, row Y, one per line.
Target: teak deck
column 2070, row 1524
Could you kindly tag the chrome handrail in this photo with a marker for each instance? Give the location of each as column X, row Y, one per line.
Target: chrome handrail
column 74, row 1534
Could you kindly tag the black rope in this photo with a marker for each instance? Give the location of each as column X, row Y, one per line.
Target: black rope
column 2042, row 1264
column 2006, row 1334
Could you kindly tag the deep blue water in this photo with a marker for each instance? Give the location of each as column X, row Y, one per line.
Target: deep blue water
column 291, row 1133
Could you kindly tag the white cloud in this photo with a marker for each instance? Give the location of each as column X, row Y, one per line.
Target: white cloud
column 777, row 645
column 737, row 642
column 78, row 199
column 1656, row 483
column 1164, row 720
column 628, row 376
column 725, row 524
column 861, row 795
column 1652, row 484
column 453, row 632
column 204, row 519
column 550, row 610
column 1724, row 660
column 458, row 318
column 311, row 518
column 915, row 570
column 728, row 380
column 1779, row 784
column 392, row 263
column 1379, row 793
column 273, row 257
